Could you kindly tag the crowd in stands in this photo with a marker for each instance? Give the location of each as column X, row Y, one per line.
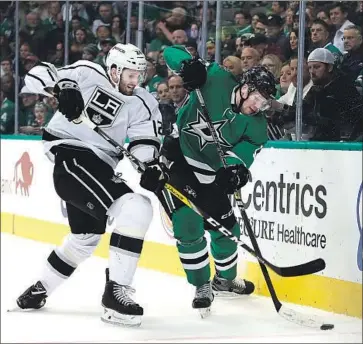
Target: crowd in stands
column 252, row 33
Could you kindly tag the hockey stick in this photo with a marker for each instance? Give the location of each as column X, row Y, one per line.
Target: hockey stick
column 283, row 311
column 298, row 270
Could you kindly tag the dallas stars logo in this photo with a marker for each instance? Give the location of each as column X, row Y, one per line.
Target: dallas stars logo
column 200, row 129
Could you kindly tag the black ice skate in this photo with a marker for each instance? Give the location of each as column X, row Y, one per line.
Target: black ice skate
column 203, row 299
column 231, row 288
column 33, row 298
column 119, row 308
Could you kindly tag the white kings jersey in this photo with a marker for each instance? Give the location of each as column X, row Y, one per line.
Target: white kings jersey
column 136, row 117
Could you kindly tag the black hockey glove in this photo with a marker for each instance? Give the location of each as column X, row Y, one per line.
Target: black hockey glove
column 154, row 177
column 232, row 178
column 171, row 149
column 70, row 99
column 168, row 116
column 194, row 74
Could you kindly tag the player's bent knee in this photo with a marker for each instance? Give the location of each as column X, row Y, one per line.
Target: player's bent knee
column 133, row 213
column 78, row 247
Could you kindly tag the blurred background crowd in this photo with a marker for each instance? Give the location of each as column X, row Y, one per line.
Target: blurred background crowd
column 249, row 33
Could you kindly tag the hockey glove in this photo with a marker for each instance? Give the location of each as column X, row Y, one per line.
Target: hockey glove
column 70, row 99
column 232, row 178
column 154, row 177
column 171, row 149
column 168, row 115
column 194, row 74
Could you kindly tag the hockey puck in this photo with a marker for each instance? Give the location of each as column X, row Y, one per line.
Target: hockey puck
column 325, row 327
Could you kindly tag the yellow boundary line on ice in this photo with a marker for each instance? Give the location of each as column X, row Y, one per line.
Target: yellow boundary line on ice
column 322, row 292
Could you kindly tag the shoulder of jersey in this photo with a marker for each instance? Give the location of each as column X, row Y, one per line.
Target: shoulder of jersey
column 87, row 64
column 142, row 93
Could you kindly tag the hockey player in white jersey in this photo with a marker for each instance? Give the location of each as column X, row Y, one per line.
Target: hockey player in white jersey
column 84, row 171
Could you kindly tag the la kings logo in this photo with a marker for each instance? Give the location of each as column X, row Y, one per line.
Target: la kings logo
column 103, row 107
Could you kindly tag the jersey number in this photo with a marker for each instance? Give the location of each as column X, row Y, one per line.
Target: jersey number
column 103, row 107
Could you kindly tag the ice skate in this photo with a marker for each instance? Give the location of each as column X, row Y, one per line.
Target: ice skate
column 33, row 298
column 231, row 288
column 203, row 299
column 119, row 308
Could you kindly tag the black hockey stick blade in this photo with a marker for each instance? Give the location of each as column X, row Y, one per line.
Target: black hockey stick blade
column 301, row 269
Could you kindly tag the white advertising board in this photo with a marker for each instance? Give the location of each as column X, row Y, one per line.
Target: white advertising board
column 303, row 204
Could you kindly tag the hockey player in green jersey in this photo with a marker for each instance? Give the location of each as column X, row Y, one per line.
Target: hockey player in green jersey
column 236, row 108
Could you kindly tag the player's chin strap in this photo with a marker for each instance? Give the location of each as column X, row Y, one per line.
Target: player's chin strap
column 294, row 317
column 298, row 270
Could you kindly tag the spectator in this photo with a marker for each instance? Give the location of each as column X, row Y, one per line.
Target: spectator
column 105, row 17
column 338, row 17
column 278, row 8
column 294, row 39
column 320, row 38
column 233, row 64
column 50, row 22
column 5, row 49
column 6, row 66
column 278, row 43
column 323, row 14
column 259, row 42
column 90, row 52
column 352, row 63
column 151, row 78
column 41, row 118
column 35, row 34
column 55, row 35
column 261, row 25
column 179, row 37
column 106, row 45
column 118, row 29
column 211, row 50
column 193, row 32
column 239, row 46
column 158, row 41
column 79, row 23
column 250, row 58
column 191, row 46
column 78, row 45
column 242, row 21
column 7, row 111
column 57, row 58
column 178, row 93
column 335, row 100
column 285, row 80
column 259, row 18
column 163, row 91
column 273, row 64
column 28, row 101
column 102, row 33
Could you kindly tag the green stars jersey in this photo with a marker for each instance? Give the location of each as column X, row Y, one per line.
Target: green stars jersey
column 239, row 135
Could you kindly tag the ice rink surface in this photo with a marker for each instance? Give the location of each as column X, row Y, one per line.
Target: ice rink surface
column 72, row 313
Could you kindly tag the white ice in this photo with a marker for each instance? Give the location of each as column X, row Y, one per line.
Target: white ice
column 72, row 313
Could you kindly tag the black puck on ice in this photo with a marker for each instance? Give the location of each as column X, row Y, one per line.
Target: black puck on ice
column 325, row 327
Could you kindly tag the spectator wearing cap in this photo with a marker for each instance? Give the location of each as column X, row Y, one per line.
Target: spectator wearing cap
column 242, row 21
column 278, row 43
column 338, row 16
column 352, row 63
column 258, row 17
column 336, row 103
column 320, row 38
column 250, row 58
column 211, row 50
column 192, row 47
column 260, row 43
column 90, row 52
column 106, row 45
column 105, row 16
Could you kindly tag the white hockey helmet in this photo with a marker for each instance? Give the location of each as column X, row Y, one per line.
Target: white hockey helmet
column 124, row 56
column 41, row 79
